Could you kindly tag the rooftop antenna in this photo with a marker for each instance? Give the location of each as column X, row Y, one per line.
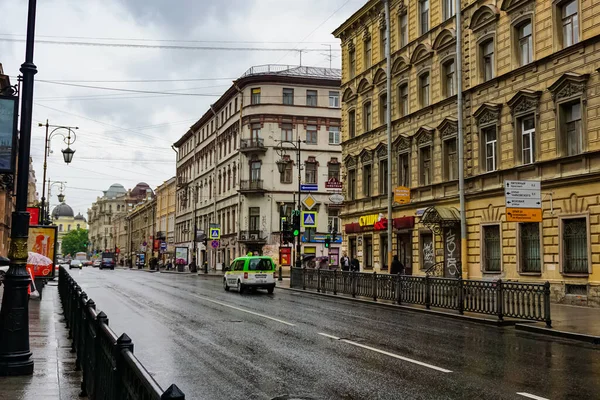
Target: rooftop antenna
column 330, row 56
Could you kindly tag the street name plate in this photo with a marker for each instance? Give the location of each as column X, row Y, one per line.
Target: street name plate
column 522, row 194
column 523, row 203
column 523, row 215
column 531, row 185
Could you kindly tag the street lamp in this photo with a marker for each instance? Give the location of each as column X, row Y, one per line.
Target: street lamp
column 45, row 219
column 68, row 153
column 61, row 197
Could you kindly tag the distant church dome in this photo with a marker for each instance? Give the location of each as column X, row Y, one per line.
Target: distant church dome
column 79, row 217
column 139, row 191
column 62, row 210
column 115, row 190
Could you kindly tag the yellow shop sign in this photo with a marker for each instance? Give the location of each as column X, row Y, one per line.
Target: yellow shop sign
column 368, row 220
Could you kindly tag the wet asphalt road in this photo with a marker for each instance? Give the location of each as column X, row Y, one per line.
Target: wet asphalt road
column 217, row 345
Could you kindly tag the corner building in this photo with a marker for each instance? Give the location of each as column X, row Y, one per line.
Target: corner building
column 531, row 112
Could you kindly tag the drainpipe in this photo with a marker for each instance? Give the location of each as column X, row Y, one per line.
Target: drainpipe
column 239, row 169
column 388, row 61
column 214, row 251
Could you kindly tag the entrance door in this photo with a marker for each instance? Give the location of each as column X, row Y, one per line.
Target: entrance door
column 352, row 248
column 404, row 246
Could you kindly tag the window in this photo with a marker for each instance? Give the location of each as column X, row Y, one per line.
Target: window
column 403, row 170
column 570, row 23
column 351, row 124
column 352, row 184
column 487, row 60
column 255, row 98
column 288, row 96
column 382, row 43
column 527, row 126
column 255, row 170
column 254, row 218
column 287, row 175
column 449, row 78
column 368, row 258
column 383, row 173
column 448, row 9
column 235, row 102
column 383, row 108
column 255, row 133
column 368, row 53
column 575, row 246
column 334, row 135
column 525, row 47
column 60, row 228
column 367, row 178
column 367, row 117
column 287, row 132
column 571, row 128
column 311, row 172
column 333, row 220
column 383, row 251
column 311, row 134
column 491, row 248
column 423, row 16
column 425, row 166
column 403, row 24
column 529, row 247
column 352, row 57
column 403, row 99
column 334, row 99
column 424, row 89
column 333, row 170
column 450, row 160
column 311, row 98
column 490, row 148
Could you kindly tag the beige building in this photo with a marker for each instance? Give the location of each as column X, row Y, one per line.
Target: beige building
column 531, row 106
column 165, row 216
column 141, row 222
column 66, row 221
column 226, row 167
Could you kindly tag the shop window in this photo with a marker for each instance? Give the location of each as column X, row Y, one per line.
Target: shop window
column 529, row 247
column 368, row 252
column 491, row 254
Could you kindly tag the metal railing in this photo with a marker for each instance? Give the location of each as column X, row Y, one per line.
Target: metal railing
column 251, row 144
column 251, row 185
column 529, row 301
column 110, row 369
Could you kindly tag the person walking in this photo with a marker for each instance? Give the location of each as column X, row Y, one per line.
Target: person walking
column 397, row 267
column 345, row 262
column 193, row 267
column 355, row 265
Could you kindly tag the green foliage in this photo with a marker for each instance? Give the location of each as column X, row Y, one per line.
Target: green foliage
column 75, row 241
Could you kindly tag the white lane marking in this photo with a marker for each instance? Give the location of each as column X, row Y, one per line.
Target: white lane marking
column 387, row 353
column 329, row 336
column 243, row 310
column 531, row 396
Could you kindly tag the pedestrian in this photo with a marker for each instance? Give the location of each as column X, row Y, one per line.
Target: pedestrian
column 397, row 267
column 345, row 262
column 193, row 265
column 355, row 264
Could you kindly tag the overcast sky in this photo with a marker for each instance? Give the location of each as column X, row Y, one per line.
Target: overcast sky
column 125, row 137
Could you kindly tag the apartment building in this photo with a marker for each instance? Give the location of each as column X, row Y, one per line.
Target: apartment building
column 531, row 100
column 227, row 175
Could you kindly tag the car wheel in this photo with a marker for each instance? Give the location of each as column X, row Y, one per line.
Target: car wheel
column 225, row 285
column 271, row 289
column 240, row 287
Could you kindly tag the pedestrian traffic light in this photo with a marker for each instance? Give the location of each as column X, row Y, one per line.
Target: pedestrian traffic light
column 296, row 222
column 327, row 242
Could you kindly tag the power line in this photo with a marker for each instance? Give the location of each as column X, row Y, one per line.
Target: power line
column 160, row 46
column 127, row 90
column 137, row 80
column 114, row 96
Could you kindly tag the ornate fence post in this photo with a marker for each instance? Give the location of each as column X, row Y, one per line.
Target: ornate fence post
column 500, row 300
column 334, row 281
column 303, row 278
column 547, row 317
column 399, row 288
column 353, row 282
column 461, row 298
column 101, row 318
column 427, row 293
column 374, row 286
column 123, row 344
column 319, row 280
column 172, row 393
column 80, row 330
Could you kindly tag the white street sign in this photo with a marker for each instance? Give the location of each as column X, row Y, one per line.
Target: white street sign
column 522, row 194
column 523, row 203
column 531, row 185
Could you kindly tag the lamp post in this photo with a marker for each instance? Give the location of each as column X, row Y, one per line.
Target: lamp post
column 15, row 354
column 281, row 165
column 67, row 154
column 46, row 218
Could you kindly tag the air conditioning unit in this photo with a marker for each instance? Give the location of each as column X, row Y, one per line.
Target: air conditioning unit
column 254, row 236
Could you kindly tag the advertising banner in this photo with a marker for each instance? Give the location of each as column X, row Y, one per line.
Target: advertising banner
column 34, row 215
column 8, row 133
column 181, row 255
column 43, row 240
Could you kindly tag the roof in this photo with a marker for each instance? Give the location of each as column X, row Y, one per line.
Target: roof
column 62, row 210
column 356, row 16
column 296, row 71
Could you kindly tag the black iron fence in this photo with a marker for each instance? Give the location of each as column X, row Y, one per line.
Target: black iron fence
column 501, row 298
column 109, row 367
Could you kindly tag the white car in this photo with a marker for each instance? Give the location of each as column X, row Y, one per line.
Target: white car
column 76, row 264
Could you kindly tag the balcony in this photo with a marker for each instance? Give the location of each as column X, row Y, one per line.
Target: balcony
column 252, row 236
column 252, row 146
column 252, row 187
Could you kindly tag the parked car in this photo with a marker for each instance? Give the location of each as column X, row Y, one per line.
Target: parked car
column 76, row 264
column 250, row 272
column 108, row 260
column 3, row 270
column 96, row 263
column 87, row 263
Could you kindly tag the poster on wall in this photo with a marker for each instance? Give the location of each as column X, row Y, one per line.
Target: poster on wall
column 8, row 133
column 34, row 215
column 181, row 255
column 43, row 240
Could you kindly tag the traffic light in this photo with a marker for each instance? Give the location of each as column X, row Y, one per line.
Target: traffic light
column 333, row 236
column 286, row 234
column 296, row 222
column 327, row 242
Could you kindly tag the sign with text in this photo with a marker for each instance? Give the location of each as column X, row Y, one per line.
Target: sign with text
column 285, row 256
column 43, row 240
column 309, row 187
column 401, row 195
column 333, row 183
column 34, row 215
column 8, row 133
column 523, row 214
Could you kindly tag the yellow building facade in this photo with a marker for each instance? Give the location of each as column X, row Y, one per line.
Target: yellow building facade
column 531, row 90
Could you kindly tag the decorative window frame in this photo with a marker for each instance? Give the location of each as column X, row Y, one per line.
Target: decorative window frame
column 381, row 154
column 423, row 71
column 402, row 11
column 557, row 24
column 362, row 116
column 366, row 159
column 400, row 84
column 402, row 146
column 489, row 114
column 445, row 39
column 350, row 164
column 479, row 60
column 525, row 102
column 448, row 130
column 443, row 62
column 424, row 138
column 348, row 111
column 380, row 121
column 482, row 248
column 561, row 219
column 519, row 250
column 516, row 21
column 484, row 17
column 400, row 66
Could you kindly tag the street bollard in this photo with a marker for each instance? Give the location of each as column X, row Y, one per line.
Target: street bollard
column 280, row 278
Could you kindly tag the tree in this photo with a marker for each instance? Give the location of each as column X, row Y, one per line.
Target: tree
column 75, row 241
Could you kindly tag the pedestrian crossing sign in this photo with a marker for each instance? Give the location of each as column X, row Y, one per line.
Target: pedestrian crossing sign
column 309, row 219
column 215, row 233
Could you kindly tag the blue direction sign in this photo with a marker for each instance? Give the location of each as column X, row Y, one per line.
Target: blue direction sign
column 311, row 187
column 215, row 233
column 163, row 245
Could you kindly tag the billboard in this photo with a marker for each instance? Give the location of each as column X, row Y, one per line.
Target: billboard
column 8, row 133
column 43, row 240
column 181, row 253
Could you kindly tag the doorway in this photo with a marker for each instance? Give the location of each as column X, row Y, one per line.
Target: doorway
column 404, row 251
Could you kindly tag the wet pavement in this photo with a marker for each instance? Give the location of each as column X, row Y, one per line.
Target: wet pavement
column 222, row 345
column 54, row 376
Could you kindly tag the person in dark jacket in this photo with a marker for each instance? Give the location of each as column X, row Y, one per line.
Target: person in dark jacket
column 355, row 265
column 397, row 267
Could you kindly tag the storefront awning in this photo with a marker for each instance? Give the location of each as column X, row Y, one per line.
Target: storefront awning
column 404, row 223
column 353, row 227
column 437, row 217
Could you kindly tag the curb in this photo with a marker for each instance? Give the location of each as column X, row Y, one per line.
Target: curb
column 581, row 337
column 413, row 309
column 135, row 269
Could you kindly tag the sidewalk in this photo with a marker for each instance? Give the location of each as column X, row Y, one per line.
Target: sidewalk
column 571, row 322
column 54, row 376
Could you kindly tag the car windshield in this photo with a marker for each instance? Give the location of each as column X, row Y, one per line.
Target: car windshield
column 260, row 264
